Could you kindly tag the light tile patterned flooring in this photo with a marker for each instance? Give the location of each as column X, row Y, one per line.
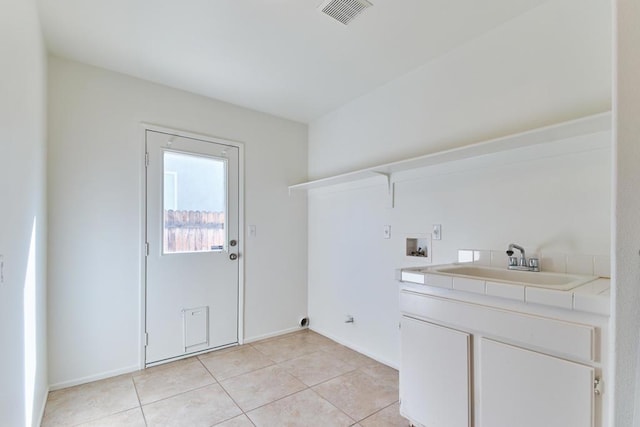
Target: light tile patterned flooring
column 299, row 379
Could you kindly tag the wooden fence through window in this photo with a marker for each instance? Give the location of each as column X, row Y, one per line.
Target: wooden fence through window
column 193, row 231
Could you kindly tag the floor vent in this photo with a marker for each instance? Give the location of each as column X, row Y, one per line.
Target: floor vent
column 344, row 11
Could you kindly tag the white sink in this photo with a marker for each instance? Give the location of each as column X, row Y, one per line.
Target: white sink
column 557, row 281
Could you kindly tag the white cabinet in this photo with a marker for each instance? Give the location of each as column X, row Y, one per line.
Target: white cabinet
column 435, row 385
column 476, row 365
column 518, row 387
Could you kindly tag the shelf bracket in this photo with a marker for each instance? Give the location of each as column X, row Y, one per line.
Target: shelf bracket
column 391, row 187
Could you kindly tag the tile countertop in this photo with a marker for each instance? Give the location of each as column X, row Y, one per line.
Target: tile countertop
column 591, row 297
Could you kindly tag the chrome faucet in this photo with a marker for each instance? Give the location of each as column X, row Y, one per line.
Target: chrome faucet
column 522, row 262
column 533, row 264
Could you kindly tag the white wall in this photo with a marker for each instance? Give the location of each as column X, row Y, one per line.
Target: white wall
column 548, row 65
column 552, row 199
column 23, row 358
column 95, row 171
column 626, row 266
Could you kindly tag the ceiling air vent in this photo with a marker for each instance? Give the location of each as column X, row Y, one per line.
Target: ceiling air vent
column 344, row 11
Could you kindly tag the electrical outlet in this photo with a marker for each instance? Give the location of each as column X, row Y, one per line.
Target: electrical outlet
column 386, row 232
column 437, row 232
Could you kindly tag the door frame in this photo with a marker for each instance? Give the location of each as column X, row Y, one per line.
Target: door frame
column 142, row 327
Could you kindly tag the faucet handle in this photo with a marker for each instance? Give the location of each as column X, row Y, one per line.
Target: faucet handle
column 534, row 264
column 513, row 261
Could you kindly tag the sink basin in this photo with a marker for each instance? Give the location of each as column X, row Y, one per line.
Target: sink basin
column 557, row 281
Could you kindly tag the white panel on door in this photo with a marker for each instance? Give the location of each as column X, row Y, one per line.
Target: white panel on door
column 196, row 328
column 523, row 388
column 434, row 374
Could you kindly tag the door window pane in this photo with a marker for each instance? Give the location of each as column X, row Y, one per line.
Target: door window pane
column 194, row 203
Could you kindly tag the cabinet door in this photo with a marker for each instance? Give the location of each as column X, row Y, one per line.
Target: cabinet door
column 434, row 374
column 527, row 389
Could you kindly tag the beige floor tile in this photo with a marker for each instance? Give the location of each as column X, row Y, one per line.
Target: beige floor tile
column 310, row 337
column 385, row 374
column 130, row 418
column 262, row 386
column 231, row 364
column 201, row 407
column 305, row 408
column 347, row 387
column 358, row 394
column 316, row 367
column 220, row 351
column 388, row 417
column 239, row 421
column 165, row 366
column 168, row 380
column 349, row 356
column 90, row 401
column 292, row 346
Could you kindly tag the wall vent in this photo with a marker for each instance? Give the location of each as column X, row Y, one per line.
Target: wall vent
column 344, row 11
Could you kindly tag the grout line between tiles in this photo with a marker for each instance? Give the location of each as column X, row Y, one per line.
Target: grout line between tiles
column 323, row 381
column 208, row 371
column 378, row 411
column 105, row 416
column 346, row 373
column 277, row 400
column 307, row 387
column 273, row 363
column 282, row 361
column 110, row 414
column 315, row 348
column 331, row 403
column 144, row 417
column 230, row 397
column 179, row 394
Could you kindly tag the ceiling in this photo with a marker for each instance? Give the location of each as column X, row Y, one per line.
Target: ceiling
column 282, row 57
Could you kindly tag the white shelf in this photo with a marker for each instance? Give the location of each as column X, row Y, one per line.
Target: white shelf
column 583, row 126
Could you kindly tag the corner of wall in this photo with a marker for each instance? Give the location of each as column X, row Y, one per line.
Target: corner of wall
column 23, row 230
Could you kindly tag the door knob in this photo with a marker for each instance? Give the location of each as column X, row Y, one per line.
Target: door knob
column 233, row 257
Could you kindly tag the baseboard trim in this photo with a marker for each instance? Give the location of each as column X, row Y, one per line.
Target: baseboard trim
column 134, row 368
column 356, row 348
column 90, row 378
column 273, row 334
column 44, row 405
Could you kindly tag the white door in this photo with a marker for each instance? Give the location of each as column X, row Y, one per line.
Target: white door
column 435, row 375
column 192, row 216
column 523, row 388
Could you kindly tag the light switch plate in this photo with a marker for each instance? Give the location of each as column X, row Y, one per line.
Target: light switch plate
column 386, row 232
column 437, row 232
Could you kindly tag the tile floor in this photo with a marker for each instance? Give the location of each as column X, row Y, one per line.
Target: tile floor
column 299, row 379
